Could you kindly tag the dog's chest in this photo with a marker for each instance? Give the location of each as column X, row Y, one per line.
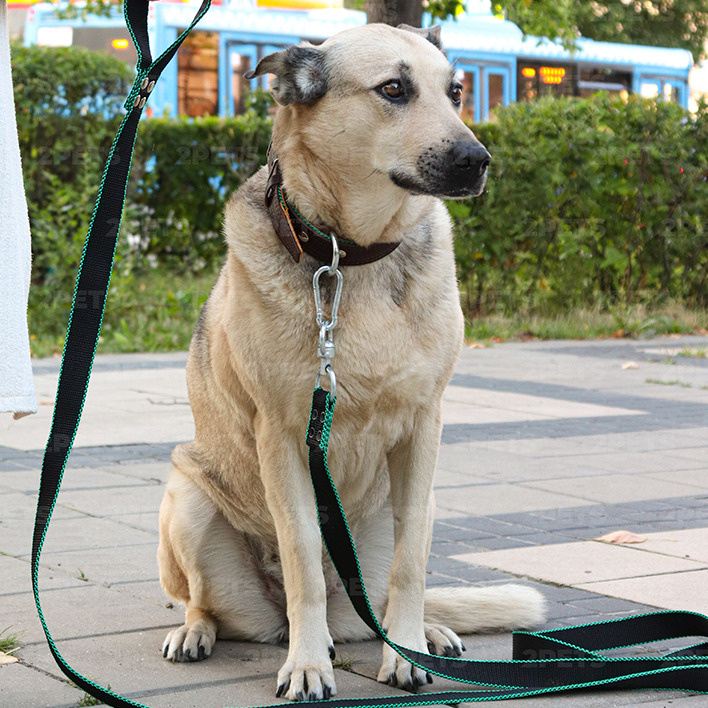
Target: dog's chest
column 398, row 334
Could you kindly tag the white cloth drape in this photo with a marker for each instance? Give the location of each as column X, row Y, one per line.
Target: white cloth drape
column 17, row 393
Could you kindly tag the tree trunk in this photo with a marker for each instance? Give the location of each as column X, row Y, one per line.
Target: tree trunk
column 395, row 12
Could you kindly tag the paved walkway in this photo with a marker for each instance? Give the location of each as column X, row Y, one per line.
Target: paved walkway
column 546, row 446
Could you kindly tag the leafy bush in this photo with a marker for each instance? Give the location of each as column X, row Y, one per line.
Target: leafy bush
column 589, row 202
column 68, row 102
column 184, row 170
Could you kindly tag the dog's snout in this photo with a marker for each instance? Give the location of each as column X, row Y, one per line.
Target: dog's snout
column 456, row 171
column 472, row 156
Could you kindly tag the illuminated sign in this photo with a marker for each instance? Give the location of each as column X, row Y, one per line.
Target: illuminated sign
column 551, row 74
column 120, row 44
column 528, row 72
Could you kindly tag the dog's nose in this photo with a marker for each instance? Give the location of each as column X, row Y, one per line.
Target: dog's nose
column 471, row 157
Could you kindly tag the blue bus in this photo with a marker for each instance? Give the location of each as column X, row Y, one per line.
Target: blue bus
column 496, row 63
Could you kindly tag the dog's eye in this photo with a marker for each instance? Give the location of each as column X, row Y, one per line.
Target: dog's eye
column 456, row 94
column 393, row 90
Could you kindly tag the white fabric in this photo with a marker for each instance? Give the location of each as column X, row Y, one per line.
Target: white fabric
column 17, row 393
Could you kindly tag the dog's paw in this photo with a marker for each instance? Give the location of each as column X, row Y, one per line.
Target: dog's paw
column 396, row 671
column 443, row 641
column 190, row 642
column 306, row 681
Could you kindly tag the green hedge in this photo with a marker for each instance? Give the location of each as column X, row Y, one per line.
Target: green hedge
column 68, row 102
column 184, row 170
column 589, row 201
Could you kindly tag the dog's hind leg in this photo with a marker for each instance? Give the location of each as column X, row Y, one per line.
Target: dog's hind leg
column 206, row 564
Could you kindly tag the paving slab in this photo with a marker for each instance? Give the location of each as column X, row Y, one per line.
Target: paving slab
column 478, row 464
column 156, row 397
column 501, row 498
column 577, row 563
column 490, row 402
column 673, row 591
column 27, row 687
column 694, row 478
column 615, row 488
column 690, row 543
column 643, row 462
column 144, row 497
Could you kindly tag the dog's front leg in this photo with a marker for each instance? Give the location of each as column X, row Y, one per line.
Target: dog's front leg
column 411, row 467
column 307, row 673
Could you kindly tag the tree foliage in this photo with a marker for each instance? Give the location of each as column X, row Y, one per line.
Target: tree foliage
column 660, row 23
column 665, row 23
column 555, row 19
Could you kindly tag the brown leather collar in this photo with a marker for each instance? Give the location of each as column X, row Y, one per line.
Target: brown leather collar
column 298, row 234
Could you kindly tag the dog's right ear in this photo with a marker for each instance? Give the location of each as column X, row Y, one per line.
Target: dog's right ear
column 432, row 34
column 300, row 75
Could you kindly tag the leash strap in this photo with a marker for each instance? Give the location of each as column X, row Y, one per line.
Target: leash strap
column 551, row 661
column 89, row 303
column 545, row 662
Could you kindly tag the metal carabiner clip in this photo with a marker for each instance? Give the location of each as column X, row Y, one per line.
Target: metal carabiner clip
column 331, row 324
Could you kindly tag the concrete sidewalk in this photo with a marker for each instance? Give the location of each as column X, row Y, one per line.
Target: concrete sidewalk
column 546, row 446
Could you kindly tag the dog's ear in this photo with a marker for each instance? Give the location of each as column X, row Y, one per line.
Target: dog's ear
column 300, row 75
column 432, row 34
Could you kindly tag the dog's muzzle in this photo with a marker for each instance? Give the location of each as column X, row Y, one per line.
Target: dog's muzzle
column 456, row 171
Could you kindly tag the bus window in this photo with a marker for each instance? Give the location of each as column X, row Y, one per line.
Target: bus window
column 649, row 89
column 670, row 93
column 470, row 94
column 240, row 64
column 198, row 75
column 594, row 79
column 527, row 83
column 496, row 90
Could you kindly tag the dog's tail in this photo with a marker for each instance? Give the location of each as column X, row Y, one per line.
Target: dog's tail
column 470, row 609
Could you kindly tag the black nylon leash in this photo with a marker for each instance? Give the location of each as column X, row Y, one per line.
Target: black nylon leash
column 545, row 662
column 89, row 303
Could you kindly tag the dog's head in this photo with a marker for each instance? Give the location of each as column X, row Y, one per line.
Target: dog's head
column 383, row 100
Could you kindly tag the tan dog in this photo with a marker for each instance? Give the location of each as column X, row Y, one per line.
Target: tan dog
column 369, row 137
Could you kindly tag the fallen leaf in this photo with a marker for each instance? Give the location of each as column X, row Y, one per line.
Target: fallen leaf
column 621, row 537
column 630, row 365
column 476, row 345
column 619, row 334
column 7, row 658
